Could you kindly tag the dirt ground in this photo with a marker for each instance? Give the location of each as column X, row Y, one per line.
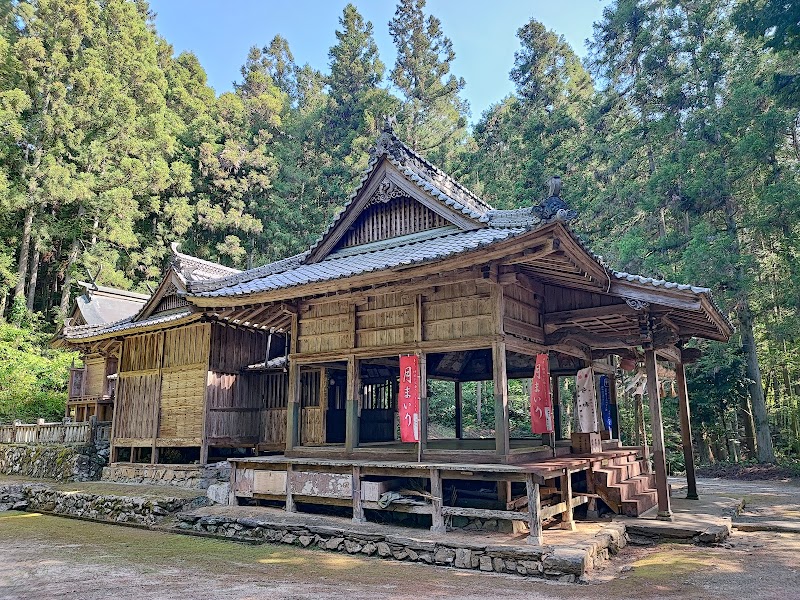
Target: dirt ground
column 46, row 557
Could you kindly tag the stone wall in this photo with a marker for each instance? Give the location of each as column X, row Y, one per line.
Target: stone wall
column 184, row 476
column 57, row 461
column 117, row 509
column 568, row 564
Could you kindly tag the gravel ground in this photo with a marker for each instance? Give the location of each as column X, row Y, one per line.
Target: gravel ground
column 46, row 557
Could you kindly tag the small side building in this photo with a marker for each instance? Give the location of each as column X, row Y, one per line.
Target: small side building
column 171, row 372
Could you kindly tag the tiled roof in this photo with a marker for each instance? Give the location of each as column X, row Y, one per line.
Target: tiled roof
column 88, row 331
column 660, row 283
column 100, row 304
column 197, row 269
column 346, row 264
column 424, row 174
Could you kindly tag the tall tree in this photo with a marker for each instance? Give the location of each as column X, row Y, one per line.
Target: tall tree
column 538, row 132
column 356, row 101
column 433, row 117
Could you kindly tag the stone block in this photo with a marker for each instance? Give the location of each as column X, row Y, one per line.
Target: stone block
column 352, row 547
column 444, row 556
column 383, row 549
column 463, row 558
column 485, row 563
column 219, row 493
column 333, row 543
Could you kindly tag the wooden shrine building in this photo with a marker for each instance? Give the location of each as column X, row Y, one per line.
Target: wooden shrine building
column 299, row 359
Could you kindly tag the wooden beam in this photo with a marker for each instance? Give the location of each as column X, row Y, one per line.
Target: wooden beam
column 534, row 511
column 352, row 402
column 566, row 316
column 293, row 407
column 501, row 435
column 423, row 405
column 686, row 431
column 659, row 457
column 290, row 505
column 437, row 501
column 555, row 390
column 459, row 396
column 567, row 518
column 358, row 508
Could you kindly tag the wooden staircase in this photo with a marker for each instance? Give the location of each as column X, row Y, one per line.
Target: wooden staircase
column 623, row 484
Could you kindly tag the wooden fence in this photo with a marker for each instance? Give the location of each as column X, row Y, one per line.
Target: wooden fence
column 86, row 432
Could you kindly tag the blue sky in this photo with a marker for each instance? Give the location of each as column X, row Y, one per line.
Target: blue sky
column 483, row 33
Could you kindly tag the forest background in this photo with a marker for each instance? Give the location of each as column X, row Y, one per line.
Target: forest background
column 678, row 139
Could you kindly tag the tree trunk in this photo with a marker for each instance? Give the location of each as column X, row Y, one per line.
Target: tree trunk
column 37, row 255
column 764, row 451
column 66, row 288
column 24, row 251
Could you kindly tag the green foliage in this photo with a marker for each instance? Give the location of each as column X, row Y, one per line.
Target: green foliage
column 33, row 377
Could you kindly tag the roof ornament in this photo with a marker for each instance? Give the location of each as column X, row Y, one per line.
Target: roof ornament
column 386, row 142
column 554, row 208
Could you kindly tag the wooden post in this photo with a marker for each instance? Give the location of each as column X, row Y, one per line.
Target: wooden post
column 641, row 431
column 423, row 405
column 293, row 406
column 567, row 520
column 436, row 501
column 290, row 505
column 534, row 507
column 614, row 408
column 232, row 499
column 478, row 399
column 686, row 431
column 459, row 405
column 659, row 459
column 358, row 508
column 501, row 435
column 556, row 391
column 323, row 403
column 352, row 402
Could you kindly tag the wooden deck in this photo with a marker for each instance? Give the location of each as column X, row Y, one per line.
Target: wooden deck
column 357, row 482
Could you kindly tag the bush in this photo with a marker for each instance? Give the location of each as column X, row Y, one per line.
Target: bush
column 33, row 376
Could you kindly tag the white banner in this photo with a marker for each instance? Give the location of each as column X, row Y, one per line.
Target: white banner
column 586, row 401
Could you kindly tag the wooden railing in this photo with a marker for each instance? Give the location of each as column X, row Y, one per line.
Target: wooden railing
column 85, row 432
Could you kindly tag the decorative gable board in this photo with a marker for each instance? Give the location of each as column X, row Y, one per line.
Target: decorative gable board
column 389, row 217
column 166, row 295
column 385, row 184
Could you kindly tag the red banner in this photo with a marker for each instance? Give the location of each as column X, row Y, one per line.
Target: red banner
column 408, row 402
column 541, row 403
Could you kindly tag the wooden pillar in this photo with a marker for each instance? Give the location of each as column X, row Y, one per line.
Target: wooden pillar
column 641, row 431
column 534, row 511
column 423, row 404
column 501, row 435
column 659, row 458
column 437, row 501
column 358, row 508
column 352, row 402
column 614, row 408
column 554, row 383
column 567, row 519
column 686, row 431
column 323, row 402
column 459, row 405
column 290, row 505
column 293, row 407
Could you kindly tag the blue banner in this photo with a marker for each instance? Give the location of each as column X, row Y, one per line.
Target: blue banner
column 605, row 401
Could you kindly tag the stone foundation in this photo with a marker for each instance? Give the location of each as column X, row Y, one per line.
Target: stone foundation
column 568, row 564
column 183, row 476
column 116, row 509
column 57, row 461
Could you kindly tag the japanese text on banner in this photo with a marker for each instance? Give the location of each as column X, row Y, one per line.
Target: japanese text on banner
column 408, row 402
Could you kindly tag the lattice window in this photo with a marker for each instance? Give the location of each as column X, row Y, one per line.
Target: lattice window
column 171, row 302
column 393, row 217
